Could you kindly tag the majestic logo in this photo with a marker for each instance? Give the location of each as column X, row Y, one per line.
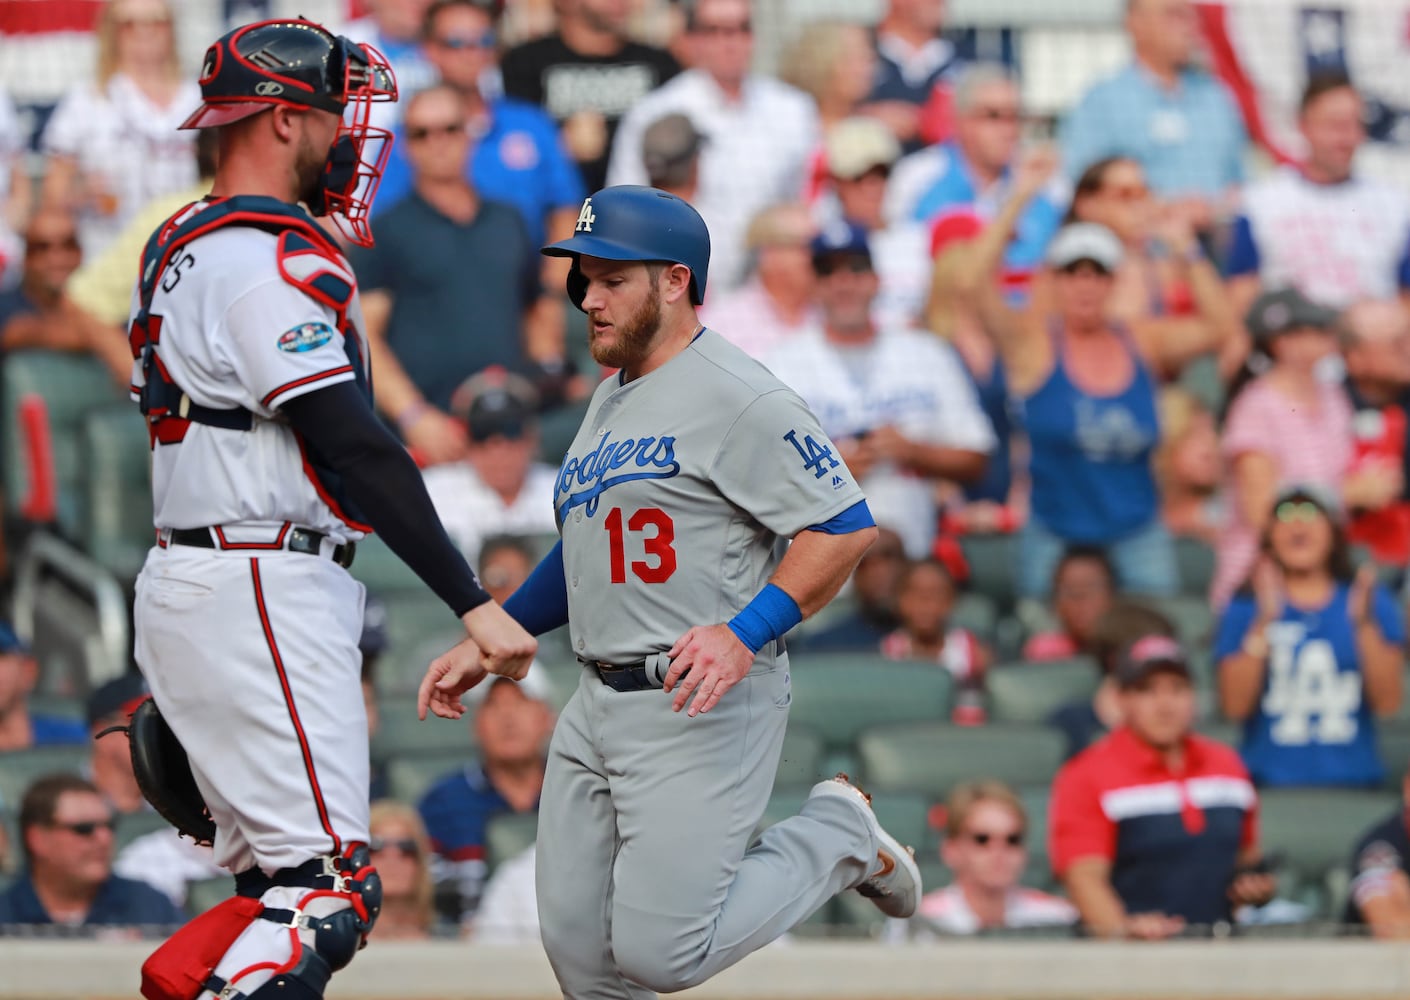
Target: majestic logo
column 305, row 337
column 813, row 454
column 268, row 88
column 585, row 218
column 597, row 471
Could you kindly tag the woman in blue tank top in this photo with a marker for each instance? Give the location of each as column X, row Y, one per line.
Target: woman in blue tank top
column 1088, row 391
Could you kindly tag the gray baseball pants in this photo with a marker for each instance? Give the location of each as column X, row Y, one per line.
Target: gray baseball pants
column 646, row 877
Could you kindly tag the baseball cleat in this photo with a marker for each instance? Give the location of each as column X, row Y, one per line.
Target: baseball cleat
column 894, row 887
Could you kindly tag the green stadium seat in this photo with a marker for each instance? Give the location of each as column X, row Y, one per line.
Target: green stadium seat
column 509, row 835
column 399, row 731
column 841, row 694
column 19, row 769
column 977, row 612
column 905, row 815
column 1030, row 692
column 1193, row 618
column 382, row 572
column 71, row 385
column 202, row 895
column 410, row 775
column 993, row 560
column 117, row 489
column 1194, row 559
column 62, row 706
column 1393, row 739
column 130, row 826
column 801, row 761
column 1316, row 829
column 931, row 758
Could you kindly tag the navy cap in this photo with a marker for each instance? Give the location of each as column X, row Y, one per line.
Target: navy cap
column 842, row 238
column 119, row 696
column 1275, row 313
column 10, row 642
column 1148, row 655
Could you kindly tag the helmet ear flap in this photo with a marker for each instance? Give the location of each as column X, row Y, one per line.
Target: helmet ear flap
column 577, row 285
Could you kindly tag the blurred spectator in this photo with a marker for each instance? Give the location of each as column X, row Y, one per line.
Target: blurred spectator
column 1164, row 281
column 1286, row 425
column 1175, row 120
column 102, row 286
column 1086, row 721
column 776, row 304
column 587, row 75
column 20, row 728
column 1189, row 467
column 1320, row 227
column 518, row 157
column 911, row 59
column 372, row 644
column 169, row 863
column 1375, row 337
column 67, row 833
column 1088, row 387
column 15, row 189
column 1380, row 886
column 1084, row 587
column 670, row 152
column 505, row 563
column 834, row 64
column 113, row 145
column 955, row 189
column 512, row 723
column 445, row 289
column 509, row 909
column 1307, row 655
column 497, row 488
column 1155, row 828
column 761, row 133
column 875, row 582
column 402, row 853
column 925, row 599
column 896, row 402
column 110, row 766
column 985, row 829
column 393, row 27
column 40, row 315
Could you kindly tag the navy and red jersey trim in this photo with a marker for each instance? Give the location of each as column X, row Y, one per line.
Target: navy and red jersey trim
column 306, row 380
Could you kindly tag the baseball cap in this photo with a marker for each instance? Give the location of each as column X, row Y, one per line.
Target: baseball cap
column 495, row 402
column 373, row 641
column 1312, row 493
column 856, row 145
column 841, row 238
column 1148, row 655
column 1276, row 312
column 1080, row 241
column 669, row 141
column 119, row 696
column 10, row 642
column 535, row 685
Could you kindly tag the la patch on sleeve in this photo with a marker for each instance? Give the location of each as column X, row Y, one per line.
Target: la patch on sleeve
column 305, row 337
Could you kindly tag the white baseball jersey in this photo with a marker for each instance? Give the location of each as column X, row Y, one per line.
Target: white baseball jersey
column 234, row 330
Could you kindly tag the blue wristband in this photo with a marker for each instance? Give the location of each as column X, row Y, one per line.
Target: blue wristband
column 766, row 618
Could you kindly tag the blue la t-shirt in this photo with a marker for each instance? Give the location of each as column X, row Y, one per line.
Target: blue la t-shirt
column 1312, row 726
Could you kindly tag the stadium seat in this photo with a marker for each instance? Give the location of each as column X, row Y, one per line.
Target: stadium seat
column 801, row 762
column 977, row 612
column 399, row 731
column 931, row 758
column 382, row 572
column 508, row 835
column 117, row 488
column 411, row 774
column 202, row 895
column 840, row 694
column 905, row 815
column 1193, row 618
column 1393, row 739
column 19, row 769
column 1195, row 559
column 993, row 560
column 130, row 826
column 1315, row 830
column 1030, row 692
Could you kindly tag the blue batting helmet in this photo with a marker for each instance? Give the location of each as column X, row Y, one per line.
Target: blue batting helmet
column 630, row 222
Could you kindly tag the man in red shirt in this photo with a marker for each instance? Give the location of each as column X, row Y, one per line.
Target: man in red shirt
column 1155, row 828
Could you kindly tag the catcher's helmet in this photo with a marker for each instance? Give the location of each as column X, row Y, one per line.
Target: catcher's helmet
column 630, row 222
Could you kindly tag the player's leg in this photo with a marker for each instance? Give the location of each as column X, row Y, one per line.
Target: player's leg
column 689, row 899
column 577, row 841
column 255, row 666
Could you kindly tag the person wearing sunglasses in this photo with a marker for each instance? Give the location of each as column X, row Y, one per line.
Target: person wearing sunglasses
column 896, row 401
column 1153, row 830
column 986, row 828
column 402, row 854
column 66, row 831
column 1310, row 654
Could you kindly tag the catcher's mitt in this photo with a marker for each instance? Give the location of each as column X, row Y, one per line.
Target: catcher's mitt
column 164, row 774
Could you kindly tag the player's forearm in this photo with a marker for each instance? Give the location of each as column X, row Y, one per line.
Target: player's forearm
column 817, row 565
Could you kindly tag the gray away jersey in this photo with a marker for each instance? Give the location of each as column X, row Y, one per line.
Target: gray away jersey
column 676, row 493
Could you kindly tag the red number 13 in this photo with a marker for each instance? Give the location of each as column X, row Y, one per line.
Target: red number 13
column 657, row 545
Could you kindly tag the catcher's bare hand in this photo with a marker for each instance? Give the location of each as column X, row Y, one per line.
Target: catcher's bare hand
column 505, row 648
column 450, row 675
column 709, row 659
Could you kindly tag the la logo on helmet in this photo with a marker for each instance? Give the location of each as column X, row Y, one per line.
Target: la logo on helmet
column 585, row 218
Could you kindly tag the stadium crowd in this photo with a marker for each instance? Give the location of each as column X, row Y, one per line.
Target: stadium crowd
column 1128, row 392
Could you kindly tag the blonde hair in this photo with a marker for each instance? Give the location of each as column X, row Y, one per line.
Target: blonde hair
column 107, row 32
column 963, row 799
column 1178, row 410
column 391, row 811
column 810, row 62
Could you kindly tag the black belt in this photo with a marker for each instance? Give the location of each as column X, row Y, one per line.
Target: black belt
column 302, row 540
column 642, row 675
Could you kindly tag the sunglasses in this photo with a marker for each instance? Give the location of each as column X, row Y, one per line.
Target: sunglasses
column 721, row 30
column 406, row 848
column 1295, row 511
column 1009, row 116
column 87, row 828
column 459, row 43
column 1126, row 192
column 68, row 245
column 420, row 133
column 851, row 263
column 984, row 839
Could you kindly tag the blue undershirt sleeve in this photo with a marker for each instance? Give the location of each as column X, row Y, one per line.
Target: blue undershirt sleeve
column 541, row 602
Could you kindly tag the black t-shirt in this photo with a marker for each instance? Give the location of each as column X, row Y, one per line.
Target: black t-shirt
column 1383, row 849
column 548, row 73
